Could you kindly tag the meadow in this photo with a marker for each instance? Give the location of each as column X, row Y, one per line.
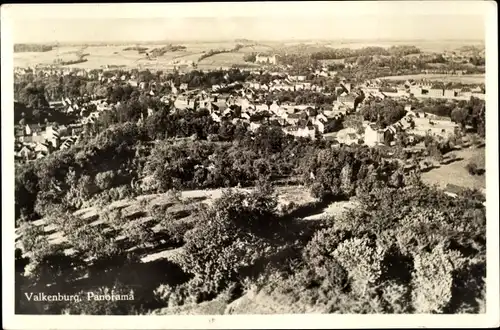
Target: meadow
column 456, row 173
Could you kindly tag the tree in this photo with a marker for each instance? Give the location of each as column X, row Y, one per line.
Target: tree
column 460, row 116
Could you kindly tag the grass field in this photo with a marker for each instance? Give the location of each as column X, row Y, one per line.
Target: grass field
column 224, row 60
column 465, row 79
column 456, row 173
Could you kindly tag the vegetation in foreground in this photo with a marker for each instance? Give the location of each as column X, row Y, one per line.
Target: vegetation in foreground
column 414, row 251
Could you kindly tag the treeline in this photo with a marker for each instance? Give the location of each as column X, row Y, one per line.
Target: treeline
column 331, row 54
column 20, row 48
column 139, row 49
column 213, row 52
column 165, row 49
column 26, row 115
column 77, row 61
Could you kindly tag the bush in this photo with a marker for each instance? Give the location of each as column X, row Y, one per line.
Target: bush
column 471, row 168
column 34, row 240
column 138, row 232
column 92, row 243
column 114, row 218
column 362, row 262
column 232, row 237
column 432, row 280
column 105, row 180
column 176, row 230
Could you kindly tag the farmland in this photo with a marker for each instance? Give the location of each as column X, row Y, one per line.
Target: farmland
column 99, row 56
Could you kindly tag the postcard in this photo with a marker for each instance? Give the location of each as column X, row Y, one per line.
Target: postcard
column 250, row 165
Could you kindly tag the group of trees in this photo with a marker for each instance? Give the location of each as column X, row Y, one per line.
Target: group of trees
column 409, row 250
column 331, row 54
column 19, row 48
column 343, row 173
column 213, row 52
column 165, row 49
column 66, row 179
column 383, row 112
column 471, row 113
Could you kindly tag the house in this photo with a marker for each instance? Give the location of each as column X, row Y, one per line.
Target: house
column 476, row 89
column 320, row 125
column 55, row 104
column 68, row 142
column 43, row 148
column 347, row 136
column 271, row 59
column 32, row 139
column 254, row 126
column 245, row 115
column 347, row 100
column 215, row 117
column 373, row 136
column 183, row 87
column 274, row 107
column 436, row 92
column 181, row 102
column 293, row 118
column 33, row 129
column 347, row 86
column 76, row 129
column 416, row 90
column 25, row 153
column 450, row 93
column 19, row 132
column 306, row 130
column 321, row 117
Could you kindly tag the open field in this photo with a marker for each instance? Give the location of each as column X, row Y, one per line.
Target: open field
column 455, row 173
column 223, row 60
column 464, row 79
column 256, row 49
column 99, row 56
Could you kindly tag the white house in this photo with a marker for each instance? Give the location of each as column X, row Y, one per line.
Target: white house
column 266, row 59
column 373, row 136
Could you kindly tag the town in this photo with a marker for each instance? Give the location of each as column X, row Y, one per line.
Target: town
column 251, row 102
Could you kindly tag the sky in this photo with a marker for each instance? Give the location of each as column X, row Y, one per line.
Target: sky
column 241, row 20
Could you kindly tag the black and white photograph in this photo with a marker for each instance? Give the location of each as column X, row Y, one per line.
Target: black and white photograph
column 317, row 159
